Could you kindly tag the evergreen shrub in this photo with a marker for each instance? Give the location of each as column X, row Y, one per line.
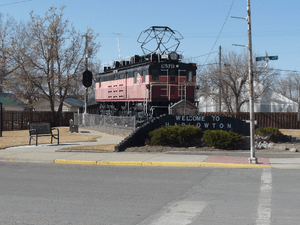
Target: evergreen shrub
column 179, row 135
column 265, row 131
column 222, row 139
column 273, row 132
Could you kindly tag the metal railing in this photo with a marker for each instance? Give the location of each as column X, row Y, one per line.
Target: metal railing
column 119, row 125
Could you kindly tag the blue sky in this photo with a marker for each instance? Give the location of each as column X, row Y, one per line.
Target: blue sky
column 275, row 25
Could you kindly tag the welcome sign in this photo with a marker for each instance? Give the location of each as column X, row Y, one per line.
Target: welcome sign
column 208, row 123
column 204, row 122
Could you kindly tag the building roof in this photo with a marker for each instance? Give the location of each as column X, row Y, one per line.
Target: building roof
column 70, row 101
column 73, row 101
column 9, row 99
column 182, row 102
column 92, row 100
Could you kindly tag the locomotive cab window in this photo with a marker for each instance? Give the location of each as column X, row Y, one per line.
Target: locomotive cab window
column 182, row 73
column 173, row 72
column 164, row 72
column 155, row 75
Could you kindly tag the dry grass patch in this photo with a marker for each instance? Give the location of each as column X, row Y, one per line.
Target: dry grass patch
column 94, row 148
column 291, row 132
column 21, row 137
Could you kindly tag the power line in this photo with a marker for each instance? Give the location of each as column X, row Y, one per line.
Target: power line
column 220, row 31
column 12, row 3
column 200, row 55
column 294, row 71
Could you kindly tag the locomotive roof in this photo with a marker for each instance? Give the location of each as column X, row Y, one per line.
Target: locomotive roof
column 137, row 61
column 127, row 67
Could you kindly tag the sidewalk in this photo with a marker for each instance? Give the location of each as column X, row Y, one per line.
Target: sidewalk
column 48, row 153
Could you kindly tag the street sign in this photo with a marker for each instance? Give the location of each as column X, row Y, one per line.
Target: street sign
column 265, row 58
column 273, row 57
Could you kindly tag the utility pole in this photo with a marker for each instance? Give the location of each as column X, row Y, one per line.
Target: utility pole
column 252, row 158
column 220, row 76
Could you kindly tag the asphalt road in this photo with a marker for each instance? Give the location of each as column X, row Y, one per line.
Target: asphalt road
column 81, row 194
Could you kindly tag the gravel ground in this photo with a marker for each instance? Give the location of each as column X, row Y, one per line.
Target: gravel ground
column 278, row 148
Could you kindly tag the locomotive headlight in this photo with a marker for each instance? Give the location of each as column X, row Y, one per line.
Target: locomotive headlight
column 174, row 56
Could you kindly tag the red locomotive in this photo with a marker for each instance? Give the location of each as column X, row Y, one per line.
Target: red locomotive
column 146, row 85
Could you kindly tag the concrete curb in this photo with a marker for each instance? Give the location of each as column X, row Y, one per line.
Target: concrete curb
column 167, row 164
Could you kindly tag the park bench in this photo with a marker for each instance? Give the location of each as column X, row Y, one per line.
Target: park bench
column 42, row 129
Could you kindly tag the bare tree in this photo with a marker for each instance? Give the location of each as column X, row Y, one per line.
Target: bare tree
column 77, row 89
column 17, row 81
column 7, row 65
column 51, row 56
column 288, row 85
column 233, row 81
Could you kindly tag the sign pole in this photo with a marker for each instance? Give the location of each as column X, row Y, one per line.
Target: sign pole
column 86, row 75
column 252, row 158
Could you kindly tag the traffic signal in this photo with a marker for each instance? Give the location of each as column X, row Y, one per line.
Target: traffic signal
column 87, row 78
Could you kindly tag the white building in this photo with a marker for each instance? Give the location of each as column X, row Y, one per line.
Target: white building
column 269, row 101
column 71, row 104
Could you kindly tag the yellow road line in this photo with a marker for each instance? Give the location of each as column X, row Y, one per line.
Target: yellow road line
column 169, row 164
column 66, row 161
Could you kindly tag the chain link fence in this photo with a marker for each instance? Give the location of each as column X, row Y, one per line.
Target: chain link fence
column 116, row 125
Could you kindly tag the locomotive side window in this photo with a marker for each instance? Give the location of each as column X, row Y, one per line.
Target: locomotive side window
column 111, row 77
column 122, row 76
column 135, row 76
column 155, row 75
column 190, row 76
column 172, row 78
column 130, row 74
column 145, row 72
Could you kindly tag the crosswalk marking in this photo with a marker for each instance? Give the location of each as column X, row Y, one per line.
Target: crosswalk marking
column 264, row 202
column 178, row 213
